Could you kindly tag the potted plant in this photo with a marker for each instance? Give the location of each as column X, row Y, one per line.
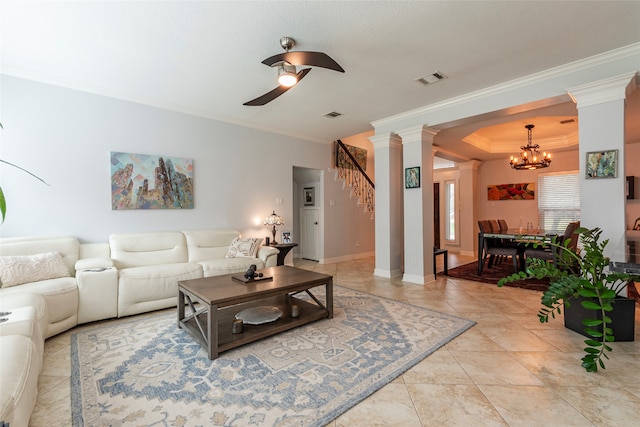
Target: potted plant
column 585, row 277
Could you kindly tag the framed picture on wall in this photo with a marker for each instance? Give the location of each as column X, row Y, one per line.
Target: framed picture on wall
column 602, row 164
column 309, row 196
column 412, row 177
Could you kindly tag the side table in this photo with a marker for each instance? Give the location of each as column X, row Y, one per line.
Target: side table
column 284, row 249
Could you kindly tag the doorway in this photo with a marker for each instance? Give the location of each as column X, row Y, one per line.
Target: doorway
column 307, row 226
column 310, row 233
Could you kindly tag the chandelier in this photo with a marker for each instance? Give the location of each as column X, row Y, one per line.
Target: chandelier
column 530, row 157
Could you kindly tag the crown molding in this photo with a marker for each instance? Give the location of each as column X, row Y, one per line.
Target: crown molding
column 572, row 67
column 385, row 140
column 612, row 89
column 418, row 133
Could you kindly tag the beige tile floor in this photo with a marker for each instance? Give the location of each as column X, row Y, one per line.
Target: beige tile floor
column 508, row 370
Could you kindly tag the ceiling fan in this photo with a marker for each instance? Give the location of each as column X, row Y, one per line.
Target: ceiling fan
column 286, row 64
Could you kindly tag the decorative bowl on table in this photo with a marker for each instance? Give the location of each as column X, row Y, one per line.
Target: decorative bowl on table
column 259, row 315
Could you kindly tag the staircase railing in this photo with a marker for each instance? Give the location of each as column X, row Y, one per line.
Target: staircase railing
column 355, row 177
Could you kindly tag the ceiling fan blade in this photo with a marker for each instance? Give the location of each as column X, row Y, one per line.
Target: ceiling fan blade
column 314, row 59
column 273, row 94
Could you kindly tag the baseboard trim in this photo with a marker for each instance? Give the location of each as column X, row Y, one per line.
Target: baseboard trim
column 419, row 280
column 347, row 258
column 388, row 274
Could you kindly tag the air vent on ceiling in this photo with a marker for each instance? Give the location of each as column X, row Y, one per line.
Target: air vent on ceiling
column 431, row 78
column 333, row 114
column 564, row 122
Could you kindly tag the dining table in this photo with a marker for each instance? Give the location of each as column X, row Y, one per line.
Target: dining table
column 514, row 234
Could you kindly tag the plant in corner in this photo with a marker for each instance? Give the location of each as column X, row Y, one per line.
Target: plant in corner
column 3, row 201
column 584, row 274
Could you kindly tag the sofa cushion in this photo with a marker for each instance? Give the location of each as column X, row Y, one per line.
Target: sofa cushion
column 18, row 269
column 143, row 249
column 67, row 246
column 207, row 244
column 244, row 247
column 61, row 297
column 218, row 267
column 148, row 288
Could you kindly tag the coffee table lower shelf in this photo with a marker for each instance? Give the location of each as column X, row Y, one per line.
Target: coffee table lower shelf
column 226, row 340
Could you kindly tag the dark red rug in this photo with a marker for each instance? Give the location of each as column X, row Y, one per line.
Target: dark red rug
column 494, row 274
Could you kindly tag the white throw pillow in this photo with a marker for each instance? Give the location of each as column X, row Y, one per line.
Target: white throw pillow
column 244, row 247
column 19, row 269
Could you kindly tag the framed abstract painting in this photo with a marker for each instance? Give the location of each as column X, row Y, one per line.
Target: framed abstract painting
column 143, row 181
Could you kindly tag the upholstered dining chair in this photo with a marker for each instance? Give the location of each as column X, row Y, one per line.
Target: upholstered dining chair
column 555, row 254
column 494, row 249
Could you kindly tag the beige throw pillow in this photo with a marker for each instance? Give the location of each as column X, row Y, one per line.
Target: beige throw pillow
column 244, row 247
column 19, row 269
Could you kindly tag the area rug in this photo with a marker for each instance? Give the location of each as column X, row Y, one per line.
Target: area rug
column 146, row 371
column 495, row 273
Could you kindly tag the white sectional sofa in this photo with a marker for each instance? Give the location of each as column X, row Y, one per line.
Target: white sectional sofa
column 52, row 284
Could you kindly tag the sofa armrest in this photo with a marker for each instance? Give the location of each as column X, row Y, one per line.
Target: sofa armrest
column 97, row 289
column 98, row 293
column 93, row 264
column 268, row 255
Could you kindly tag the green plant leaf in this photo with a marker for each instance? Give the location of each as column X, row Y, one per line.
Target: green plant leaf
column 589, row 366
column 590, row 305
column 593, row 332
column 587, row 293
column 591, row 322
column 3, row 205
column 593, row 343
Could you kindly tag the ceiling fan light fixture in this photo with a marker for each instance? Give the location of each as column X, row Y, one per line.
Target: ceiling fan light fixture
column 287, row 76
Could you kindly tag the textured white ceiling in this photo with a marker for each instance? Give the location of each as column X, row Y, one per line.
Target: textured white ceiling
column 203, row 57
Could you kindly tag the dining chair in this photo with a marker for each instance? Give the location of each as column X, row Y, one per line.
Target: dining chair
column 503, row 225
column 554, row 254
column 494, row 249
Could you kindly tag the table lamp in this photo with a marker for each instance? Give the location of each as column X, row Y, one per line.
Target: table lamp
column 273, row 220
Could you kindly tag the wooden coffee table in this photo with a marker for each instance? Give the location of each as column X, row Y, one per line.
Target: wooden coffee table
column 220, row 298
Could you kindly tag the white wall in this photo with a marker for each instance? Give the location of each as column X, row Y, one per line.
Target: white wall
column 499, row 172
column 358, row 236
column 65, row 137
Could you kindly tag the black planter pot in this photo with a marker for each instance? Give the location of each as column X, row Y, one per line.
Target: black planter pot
column 622, row 317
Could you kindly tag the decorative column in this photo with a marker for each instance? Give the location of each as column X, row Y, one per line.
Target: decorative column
column 601, row 108
column 468, row 228
column 388, row 215
column 417, row 144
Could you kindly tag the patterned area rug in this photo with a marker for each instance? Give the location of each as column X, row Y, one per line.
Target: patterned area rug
column 494, row 274
column 148, row 372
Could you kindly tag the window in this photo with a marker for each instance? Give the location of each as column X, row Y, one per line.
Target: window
column 558, row 200
column 450, row 209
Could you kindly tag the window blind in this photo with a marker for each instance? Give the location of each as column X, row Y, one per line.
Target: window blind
column 558, row 200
